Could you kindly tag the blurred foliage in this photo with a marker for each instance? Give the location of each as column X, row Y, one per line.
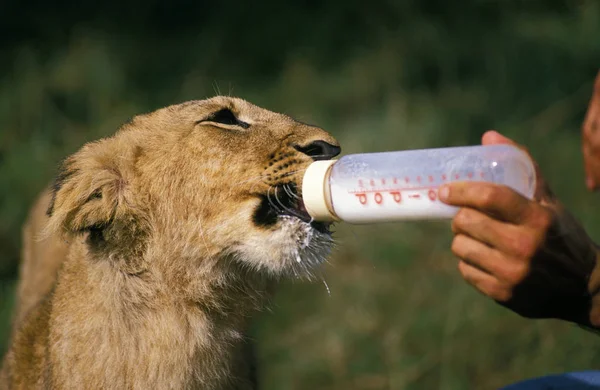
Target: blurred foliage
column 379, row 75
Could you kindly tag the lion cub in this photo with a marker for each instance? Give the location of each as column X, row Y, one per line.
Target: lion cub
column 158, row 244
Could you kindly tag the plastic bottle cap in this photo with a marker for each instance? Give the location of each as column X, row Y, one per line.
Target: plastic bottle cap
column 314, row 191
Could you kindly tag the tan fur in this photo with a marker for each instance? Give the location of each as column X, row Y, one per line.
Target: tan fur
column 147, row 270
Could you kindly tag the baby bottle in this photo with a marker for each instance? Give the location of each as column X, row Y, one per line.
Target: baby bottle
column 403, row 185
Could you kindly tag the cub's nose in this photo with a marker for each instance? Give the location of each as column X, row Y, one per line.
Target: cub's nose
column 319, row 150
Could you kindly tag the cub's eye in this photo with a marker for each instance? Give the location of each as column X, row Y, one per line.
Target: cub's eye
column 224, row 117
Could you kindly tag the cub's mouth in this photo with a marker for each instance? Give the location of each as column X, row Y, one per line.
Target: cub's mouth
column 284, row 200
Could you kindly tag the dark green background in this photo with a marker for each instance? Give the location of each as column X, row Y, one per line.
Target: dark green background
column 379, row 75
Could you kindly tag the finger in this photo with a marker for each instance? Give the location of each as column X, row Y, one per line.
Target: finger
column 592, row 168
column 492, row 199
column 590, row 182
column 591, row 130
column 483, row 282
column 588, row 166
column 505, row 238
column 590, row 125
column 483, row 257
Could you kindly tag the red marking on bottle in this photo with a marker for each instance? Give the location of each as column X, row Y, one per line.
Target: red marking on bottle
column 372, row 182
column 415, row 196
column 362, row 198
column 397, row 196
column 395, row 181
column 378, row 198
column 383, row 181
column 444, row 177
column 360, row 183
column 456, row 176
column 482, row 174
column 470, row 175
column 432, row 195
column 407, row 180
column 430, row 179
column 418, row 179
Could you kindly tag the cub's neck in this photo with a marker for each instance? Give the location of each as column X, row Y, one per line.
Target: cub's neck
column 162, row 328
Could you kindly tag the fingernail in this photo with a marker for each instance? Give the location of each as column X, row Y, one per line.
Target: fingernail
column 444, row 192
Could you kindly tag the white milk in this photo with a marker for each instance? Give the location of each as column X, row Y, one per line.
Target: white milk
column 403, row 185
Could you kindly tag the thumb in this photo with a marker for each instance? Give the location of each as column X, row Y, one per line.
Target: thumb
column 543, row 193
column 492, row 137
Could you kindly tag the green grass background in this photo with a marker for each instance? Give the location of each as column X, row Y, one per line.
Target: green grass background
column 378, row 75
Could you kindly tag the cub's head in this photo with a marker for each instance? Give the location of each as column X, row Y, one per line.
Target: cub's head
column 199, row 182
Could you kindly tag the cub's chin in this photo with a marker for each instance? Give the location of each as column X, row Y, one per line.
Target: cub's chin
column 290, row 244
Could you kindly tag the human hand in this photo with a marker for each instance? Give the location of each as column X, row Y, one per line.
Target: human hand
column 530, row 256
column 591, row 140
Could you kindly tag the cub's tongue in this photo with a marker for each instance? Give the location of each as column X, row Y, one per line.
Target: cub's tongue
column 302, row 210
column 301, row 207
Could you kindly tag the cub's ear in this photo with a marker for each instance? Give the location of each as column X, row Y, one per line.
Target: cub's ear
column 93, row 188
